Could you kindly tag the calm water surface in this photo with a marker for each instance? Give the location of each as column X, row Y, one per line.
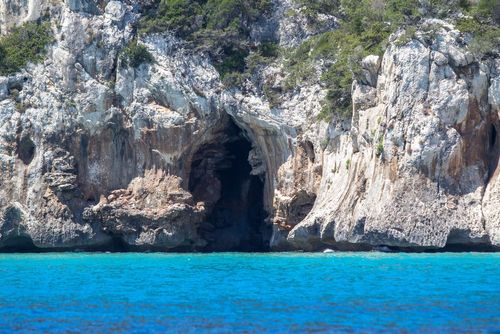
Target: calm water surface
column 273, row 293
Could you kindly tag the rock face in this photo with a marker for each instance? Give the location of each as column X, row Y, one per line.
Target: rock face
column 98, row 155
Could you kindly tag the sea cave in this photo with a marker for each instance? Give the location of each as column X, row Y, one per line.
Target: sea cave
column 221, row 177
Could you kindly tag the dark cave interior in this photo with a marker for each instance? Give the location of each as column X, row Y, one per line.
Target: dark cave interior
column 221, row 177
column 493, row 137
column 26, row 150
column 493, row 150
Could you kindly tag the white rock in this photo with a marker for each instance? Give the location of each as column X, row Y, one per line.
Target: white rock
column 115, row 10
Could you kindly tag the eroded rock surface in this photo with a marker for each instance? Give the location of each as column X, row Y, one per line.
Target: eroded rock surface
column 419, row 166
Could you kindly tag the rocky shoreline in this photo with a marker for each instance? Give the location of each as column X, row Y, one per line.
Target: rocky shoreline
column 97, row 155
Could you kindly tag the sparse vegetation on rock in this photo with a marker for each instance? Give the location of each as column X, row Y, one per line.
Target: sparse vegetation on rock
column 364, row 29
column 24, row 44
column 219, row 28
column 136, row 54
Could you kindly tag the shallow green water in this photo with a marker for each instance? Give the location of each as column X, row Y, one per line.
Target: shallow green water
column 277, row 293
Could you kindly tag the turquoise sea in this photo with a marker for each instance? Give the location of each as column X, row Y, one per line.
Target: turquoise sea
column 250, row 293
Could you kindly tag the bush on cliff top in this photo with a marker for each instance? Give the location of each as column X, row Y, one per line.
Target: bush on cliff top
column 22, row 45
column 365, row 26
column 221, row 28
column 482, row 23
column 218, row 27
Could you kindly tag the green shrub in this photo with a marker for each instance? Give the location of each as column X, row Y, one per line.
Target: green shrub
column 407, row 36
column 365, row 26
column 482, row 24
column 234, row 61
column 364, row 29
column 379, row 149
column 488, row 10
column 219, row 28
column 464, row 4
column 485, row 42
column 136, row 54
column 179, row 16
column 311, row 8
column 22, row 107
column 320, row 6
column 469, row 25
column 269, row 50
column 239, row 65
column 24, row 44
column 272, row 95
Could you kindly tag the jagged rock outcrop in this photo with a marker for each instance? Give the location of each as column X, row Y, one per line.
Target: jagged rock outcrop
column 153, row 210
column 95, row 154
column 419, row 166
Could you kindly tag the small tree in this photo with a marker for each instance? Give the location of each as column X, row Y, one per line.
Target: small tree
column 135, row 55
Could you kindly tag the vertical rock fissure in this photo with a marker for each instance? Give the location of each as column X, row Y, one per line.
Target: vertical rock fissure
column 221, row 178
column 493, row 150
column 493, row 137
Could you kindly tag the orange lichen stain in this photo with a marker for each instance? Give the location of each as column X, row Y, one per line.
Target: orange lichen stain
column 472, row 149
column 393, row 169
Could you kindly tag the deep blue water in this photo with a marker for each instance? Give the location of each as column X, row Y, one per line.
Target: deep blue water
column 274, row 293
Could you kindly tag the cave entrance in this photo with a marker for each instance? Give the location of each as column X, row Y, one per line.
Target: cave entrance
column 221, row 177
column 26, row 150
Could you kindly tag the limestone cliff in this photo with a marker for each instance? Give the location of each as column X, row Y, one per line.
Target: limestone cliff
column 96, row 154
